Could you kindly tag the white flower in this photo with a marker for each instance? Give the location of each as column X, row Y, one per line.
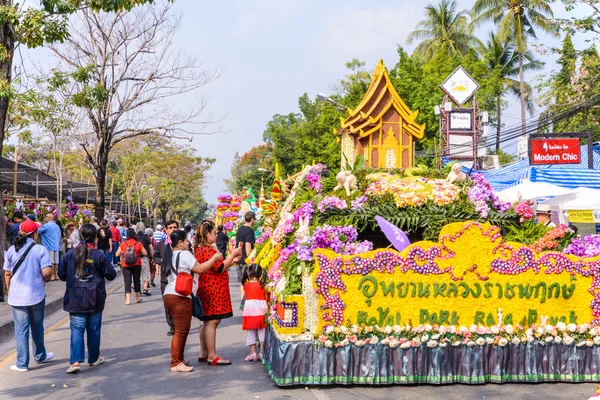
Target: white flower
column 489, row 340
column 557, row 339
column 451, row 329
column 436, row 336
column 593, row 331
column 374, row 339
column 548, row 328
column 456, row 343
column 549, row 339
column 443, row 344
column 502, row 342
column 385, row 341
column 473, row 328
column 495, row 330
column 561, row 326
column 428, row 328
column 328, row 343
column 583, row 328
column 387, row 329
column 359, row 343
column 569, row 340
column 424, row 338
column 417, row 339
column 329, row 329
column 596, row 339
column 470, row 343
column 404, row 345
column 524, row 339
column 572, row 327
column 432, row 343
column 442, row 329
column 529, row 332
column 582, row 343
column 397, row 329
column 480, row 341
column 344, row 329
column 589, row 343
column 540, row 331
column 395, row 343
column 530, row 339
column 354, row 329
column 515, row 340
column 463, row 329
column 509, row 329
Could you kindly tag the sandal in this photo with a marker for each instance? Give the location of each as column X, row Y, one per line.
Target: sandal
column 251, row 357
column 99, row 361
column 218, row 361
column 202, row 359
column 74, row 369
column 139, row 300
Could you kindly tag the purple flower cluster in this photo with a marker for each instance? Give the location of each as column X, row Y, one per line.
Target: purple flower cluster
column 341, row 239
column 225, row 198
column 589, row 246
column 481, row 195
column 358, row 202
column 267, row 233
column 230, row 214
column 314, row 177
column 228, row 226
column 87, row 213
column 331, row 202
column 305, row 211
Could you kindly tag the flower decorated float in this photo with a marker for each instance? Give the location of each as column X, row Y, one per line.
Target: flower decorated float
column 480, row 294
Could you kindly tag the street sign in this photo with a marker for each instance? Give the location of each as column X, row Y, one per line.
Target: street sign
column 461, row 121
column 460, row 86
column 555, row 151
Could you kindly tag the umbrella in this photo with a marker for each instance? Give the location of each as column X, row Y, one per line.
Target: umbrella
column 528, row 190
column 395, row 235
column 581, row 198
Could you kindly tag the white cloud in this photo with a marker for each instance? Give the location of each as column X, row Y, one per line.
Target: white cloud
column 348, row 32
column 253, row 14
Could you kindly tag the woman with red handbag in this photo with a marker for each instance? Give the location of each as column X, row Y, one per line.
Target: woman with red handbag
column 177, row 295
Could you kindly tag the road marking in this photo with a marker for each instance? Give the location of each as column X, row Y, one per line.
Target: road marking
column 320, row 394
column 13, row 353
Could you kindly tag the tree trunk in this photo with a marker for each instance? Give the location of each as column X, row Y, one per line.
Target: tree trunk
column 522, row 91
column 499, row 123
column 7, row 40
column 163, row 215
column 100, row 200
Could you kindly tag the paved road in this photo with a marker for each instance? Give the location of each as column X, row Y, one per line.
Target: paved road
column 136, row 347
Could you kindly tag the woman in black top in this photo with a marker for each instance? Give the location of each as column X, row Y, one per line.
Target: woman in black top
column 85, row 268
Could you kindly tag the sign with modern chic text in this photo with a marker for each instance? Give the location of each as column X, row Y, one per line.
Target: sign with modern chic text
column 555, row 151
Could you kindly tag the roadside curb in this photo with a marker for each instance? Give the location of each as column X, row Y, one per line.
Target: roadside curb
column 7, row 330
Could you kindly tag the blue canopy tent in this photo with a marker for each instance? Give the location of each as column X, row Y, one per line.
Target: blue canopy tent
column 565, row 175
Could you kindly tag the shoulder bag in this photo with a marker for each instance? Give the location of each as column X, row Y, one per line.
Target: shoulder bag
column 16, row 268
column 183, row 280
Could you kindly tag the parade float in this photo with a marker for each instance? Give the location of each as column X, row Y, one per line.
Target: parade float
column 387, row 273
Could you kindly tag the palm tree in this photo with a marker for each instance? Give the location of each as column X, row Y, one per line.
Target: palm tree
column 502, row 59
column 516, row 20
column 444, row 28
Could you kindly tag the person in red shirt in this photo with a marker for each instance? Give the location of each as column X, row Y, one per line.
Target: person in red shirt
column 117, row 239
column 131, row 264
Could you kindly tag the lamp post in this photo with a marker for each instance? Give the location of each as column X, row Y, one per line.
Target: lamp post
column 327, row 99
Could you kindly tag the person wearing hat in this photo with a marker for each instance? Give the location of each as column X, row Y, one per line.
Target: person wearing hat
column 27, row 268
column 542, row 215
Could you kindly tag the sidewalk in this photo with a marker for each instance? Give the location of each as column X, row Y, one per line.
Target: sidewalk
column 55, row 292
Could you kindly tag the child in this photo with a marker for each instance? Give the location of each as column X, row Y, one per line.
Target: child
column 253, row 319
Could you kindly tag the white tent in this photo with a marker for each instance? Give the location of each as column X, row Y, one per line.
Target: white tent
column 581, row 198
column 528, row 190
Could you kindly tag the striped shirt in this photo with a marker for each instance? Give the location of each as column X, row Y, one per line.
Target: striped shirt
column 159, row 236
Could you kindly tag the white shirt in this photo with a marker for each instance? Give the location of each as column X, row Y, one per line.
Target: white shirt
column 186, row 263
column 27, row 287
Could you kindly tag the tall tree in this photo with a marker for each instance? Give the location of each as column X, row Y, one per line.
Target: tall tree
column 502, row 61
column 36, row 27
column 444, row 28
column 516, row 20
column 124, row 69
column 250, row 170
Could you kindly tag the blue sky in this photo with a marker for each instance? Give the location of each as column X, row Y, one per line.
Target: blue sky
column 273, row 51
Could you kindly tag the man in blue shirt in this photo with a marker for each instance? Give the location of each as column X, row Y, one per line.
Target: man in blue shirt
column 13, row 230
column 50, row 233
column 27, row 268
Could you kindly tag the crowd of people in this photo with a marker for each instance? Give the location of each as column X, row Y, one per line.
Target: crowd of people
column 193, row 267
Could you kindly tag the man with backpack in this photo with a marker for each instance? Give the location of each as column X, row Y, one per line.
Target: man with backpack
column 131, row 264
column 163, row 258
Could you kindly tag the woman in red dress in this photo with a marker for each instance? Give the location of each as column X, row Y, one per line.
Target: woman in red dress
column 213, row 292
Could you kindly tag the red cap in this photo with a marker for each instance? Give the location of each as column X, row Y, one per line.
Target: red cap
column 28, row 226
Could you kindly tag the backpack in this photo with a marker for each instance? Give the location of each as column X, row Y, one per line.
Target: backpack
column 84, row 290
column 131, row 257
